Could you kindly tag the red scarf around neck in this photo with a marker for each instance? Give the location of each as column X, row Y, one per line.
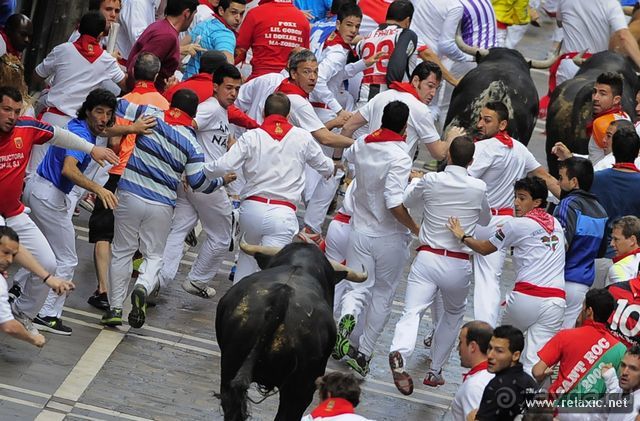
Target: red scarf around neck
column 626, row 166
column 332, row 407
column 88, row 47
column 176, row 117
column 616, row 259
column 505, row 139
column 144, row 87
column 224, row 22
column 276, row 126
column 384, row 135
column 10, row 48
column 613, row 110
column 482, row 366
column 289, row 88
column 405, row 87
column 336, row 39
column 543, row 218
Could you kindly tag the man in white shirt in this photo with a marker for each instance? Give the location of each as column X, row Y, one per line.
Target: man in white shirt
column 473, row 343
column 536, row 304
column 442, row 263
column 417, row 94
column 272, row 159
column 380, row 234
column 135, row 16
column 213, row 210
column 625, row 233
column 499, row 161
column 627, row 386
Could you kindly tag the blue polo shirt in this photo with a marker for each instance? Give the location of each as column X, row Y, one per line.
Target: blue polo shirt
column 214, row 35
column 51, row 166
column 318, row 8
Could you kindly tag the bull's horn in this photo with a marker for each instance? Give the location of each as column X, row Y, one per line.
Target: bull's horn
column 352, row 275
column 469, row 49
column 579, row 59
column 252, row 249
column 548, row 62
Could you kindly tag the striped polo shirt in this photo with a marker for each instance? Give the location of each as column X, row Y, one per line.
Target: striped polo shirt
column 155, row 168
column 478, row 23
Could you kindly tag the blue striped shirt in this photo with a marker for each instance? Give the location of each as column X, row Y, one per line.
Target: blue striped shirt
column 155, row 168
column 478, row 24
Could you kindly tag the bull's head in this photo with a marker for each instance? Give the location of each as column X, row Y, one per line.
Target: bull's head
column 263, row 255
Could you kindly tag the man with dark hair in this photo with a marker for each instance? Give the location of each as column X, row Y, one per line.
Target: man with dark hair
column 213, row 210
column 627, row 385
column 9, row 247
column 499, row 161
column 267, row 211
column 536, row 304
column 625, row 240
column 110, row 9
column 217, row 34
column 16, row 35
column 147, row 193
column 380, row 235
column 442, row 263
column 584, row 221
column 324, row 26
column 504, row 395
column 339, row 394
column 473, row 344
column 161, row 39
column 582, row 351
column 46, row 194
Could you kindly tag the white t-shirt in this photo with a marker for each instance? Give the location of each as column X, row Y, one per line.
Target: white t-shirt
column 608, row 161
column 5, row 308
column 451, row 192
column 254, row 93
column 588, row 25
column 135, row 16
column 213, row 128
column 420, row 127
column 74, row 76
column 499, row 167
column 382, row 174
column 469, row 394
column 303, row 115
column 427, row 22
column 273, row 169
column 538, row 256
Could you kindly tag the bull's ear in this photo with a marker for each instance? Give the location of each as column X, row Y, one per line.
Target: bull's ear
column 262, row 259
column 339, row 276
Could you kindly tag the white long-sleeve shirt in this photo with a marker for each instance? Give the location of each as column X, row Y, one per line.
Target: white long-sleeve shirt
column 135, row 16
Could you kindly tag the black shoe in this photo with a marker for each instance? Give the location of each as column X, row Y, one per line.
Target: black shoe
column 191, row 239
column 51, row 324
column 99, row 301
column 14, row 292
column 138, row 311
column 112, row 318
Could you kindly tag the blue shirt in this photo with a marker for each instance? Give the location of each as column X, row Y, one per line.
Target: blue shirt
column 51, row 166
column 320, row 31
column 214, row 35
column 318, row 8
column 617, row 192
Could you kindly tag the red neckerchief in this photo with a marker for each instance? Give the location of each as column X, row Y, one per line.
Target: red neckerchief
column 144, row 87
column 224, row 22
column 208, row 4
column 616, row 259
column 88, row 47
column 332, row 407
column 384, row 135
column 10, row 48
column 336, row 39
column 626, row 166
column 543, row 218
column 276, row 126
column 505, row 139
column 405, row 87
column 613, row 110
column 288, row 88
column 479, row 367
column 176, row 117
column 261, row 2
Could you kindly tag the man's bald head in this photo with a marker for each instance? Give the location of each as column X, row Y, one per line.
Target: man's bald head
column 277, row 103
column 19, row 30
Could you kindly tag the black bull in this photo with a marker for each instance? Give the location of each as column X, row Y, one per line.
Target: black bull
column 276, row 328
column 501, row 75
column 570, row 108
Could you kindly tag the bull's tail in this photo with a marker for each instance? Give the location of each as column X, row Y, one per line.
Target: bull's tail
column 276, row 308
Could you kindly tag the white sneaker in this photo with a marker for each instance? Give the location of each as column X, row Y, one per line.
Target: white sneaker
column 201, row 289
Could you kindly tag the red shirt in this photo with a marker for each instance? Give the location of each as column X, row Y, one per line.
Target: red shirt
column 161, row 39
column 202, row 85
column 272, row 30
column 15, row 151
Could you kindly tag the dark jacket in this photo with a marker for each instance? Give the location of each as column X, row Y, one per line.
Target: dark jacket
column 504, row 396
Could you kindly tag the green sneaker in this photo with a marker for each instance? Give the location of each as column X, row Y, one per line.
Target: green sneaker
column 112, row 317
column 360, row 364
column 345, row 326
column 139, row 307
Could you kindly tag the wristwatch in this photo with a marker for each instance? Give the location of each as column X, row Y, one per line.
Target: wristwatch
column 465, row 237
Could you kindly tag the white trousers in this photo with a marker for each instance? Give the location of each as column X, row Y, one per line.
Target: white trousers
column 575, row 297
column 486, row 275
column 34, row 291
column 383, row 258
column 336, row 246
column 264, row 224
column 50, row 211
column 320, row 191
column 39, row 151
column 538, row 318
column 214, row 210
column 429, row 273
column 137, row 224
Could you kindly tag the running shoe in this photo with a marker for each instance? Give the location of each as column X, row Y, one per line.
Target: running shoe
column 360, row 364
column 433, row 379
column 138, row 311
column 191, row 239
column 51, row 324
column 99, row 300
column 14, row 292
column 23, row 318
column 201, row 289
column 88, row 202
column 112, row 318
column 401, row 378
column 345, row 327
column 308, row 236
